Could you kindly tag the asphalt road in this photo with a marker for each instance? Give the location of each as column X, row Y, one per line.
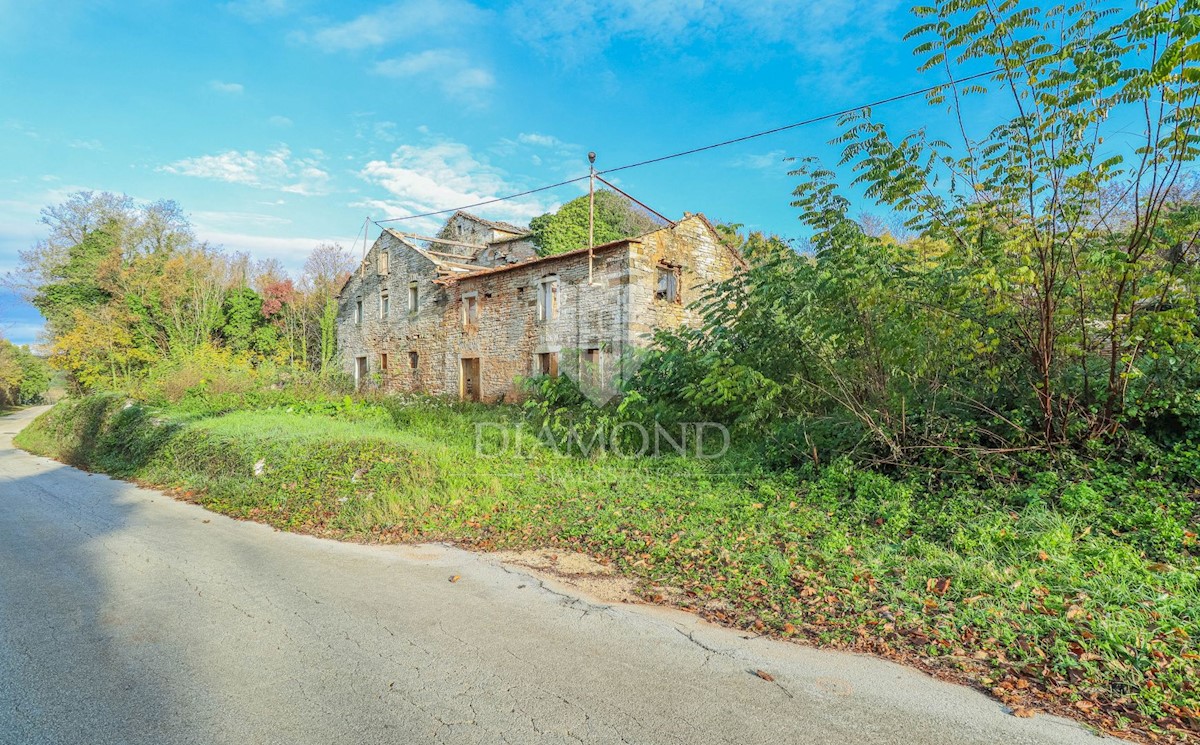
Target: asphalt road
column 127, row 617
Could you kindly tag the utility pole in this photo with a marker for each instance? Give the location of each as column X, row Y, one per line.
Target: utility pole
column 591, row 212
column 362, row 267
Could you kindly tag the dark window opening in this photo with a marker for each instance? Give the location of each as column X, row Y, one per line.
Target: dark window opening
column 548, row 364
column 668, row 283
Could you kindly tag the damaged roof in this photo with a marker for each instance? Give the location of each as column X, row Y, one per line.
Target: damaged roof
column 452, row 271
column 505, row 227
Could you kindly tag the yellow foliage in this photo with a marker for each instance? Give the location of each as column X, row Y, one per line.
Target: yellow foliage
column 98, row 349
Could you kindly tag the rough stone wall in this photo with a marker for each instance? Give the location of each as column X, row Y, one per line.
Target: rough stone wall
column 401, row 332
column 463, row 229
column 694, row 249
column 618, row 309
column 506, row 252
column 509, row 336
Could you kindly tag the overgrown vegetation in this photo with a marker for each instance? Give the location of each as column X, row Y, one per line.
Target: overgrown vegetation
column 567, row 228
column 24, row 379
column 126, row 286
column 1046, row 295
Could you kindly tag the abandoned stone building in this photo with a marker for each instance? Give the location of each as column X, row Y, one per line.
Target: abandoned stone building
column 474, row 311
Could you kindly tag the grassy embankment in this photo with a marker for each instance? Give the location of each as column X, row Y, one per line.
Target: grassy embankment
column 1079, row 596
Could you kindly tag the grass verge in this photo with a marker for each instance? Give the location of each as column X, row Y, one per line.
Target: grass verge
column 1079, row 597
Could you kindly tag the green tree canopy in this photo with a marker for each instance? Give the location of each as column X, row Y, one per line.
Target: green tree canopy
column 567, row 229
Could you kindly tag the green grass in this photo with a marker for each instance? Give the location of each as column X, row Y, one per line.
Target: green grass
column 1065, row 594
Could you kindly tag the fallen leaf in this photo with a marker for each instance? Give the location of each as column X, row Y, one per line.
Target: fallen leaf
column 1084, row 705
column 765, row 675
column 789, row 628
column 938, row 585
column 455, row 578
column 1023, row 713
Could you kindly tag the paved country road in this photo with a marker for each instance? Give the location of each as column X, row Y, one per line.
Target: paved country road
column 127, row 617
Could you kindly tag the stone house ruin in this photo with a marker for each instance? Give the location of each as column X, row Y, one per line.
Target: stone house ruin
column 470, row 313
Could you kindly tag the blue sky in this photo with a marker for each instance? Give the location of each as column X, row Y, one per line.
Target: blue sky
column 279, row 124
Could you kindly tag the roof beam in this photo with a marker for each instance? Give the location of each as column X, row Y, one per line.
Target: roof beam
column 436, row 240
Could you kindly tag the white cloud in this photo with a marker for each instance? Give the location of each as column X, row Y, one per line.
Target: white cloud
column 540, row 140
column 277, row 169
column 368, row 128
column 20, row 127
column 291, row 252
column 771, row 161
column 408, row 19
column 85, row 144
column 237, row 220
column 233, row 89
column 545, row 152
column 448, row 69
column 445, row 175
column 279, row 121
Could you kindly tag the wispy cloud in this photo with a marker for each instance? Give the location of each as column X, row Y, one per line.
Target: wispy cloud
column 448, row 69
column 540, row 140
column 222, row 220
column 291, row 252
column 277, row 169
column 405, row 20
column 15, row 126
column 233, row 89
column 279, row 121
column 546, row 152
column 443, row 175
column 772, row 161
column 577, row 30
column 85, row 144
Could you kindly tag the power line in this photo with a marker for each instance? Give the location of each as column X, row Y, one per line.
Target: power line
column 804, row 123
column 486, row 202
column 693, row 151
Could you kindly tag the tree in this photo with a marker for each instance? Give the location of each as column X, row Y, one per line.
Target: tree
column 75, row 277
column 1043, row 290
column 243, row 316
column 24, row 378
column 1058, row 245
column 99, row 350
column 69, row 225
column 325, row 271
column 567, row 229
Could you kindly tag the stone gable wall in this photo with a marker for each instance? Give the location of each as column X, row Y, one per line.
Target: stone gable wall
column 700, row 258
column 401, row 332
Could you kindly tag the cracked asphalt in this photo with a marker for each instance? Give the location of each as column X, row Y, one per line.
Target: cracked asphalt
column 127, row 617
